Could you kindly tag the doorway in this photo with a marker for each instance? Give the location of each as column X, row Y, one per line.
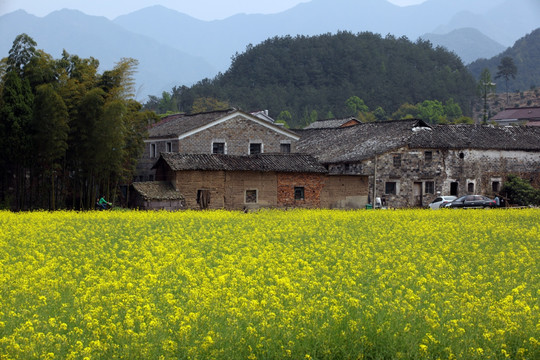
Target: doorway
column 454, row 188
column 417, row 194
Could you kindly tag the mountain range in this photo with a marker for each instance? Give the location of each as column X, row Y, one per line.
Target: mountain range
column 175, row 49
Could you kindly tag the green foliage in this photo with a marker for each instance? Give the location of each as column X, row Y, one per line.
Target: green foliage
column 66, row 130
column 520, row 191
column 525, row 54
column 208, row 104
column 320, row 73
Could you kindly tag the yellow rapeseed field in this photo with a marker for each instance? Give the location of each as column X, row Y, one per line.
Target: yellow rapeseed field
column 302, row 284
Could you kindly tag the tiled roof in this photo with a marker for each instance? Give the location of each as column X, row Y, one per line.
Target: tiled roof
column 527, row 113
column 330, row 123
column 157, row 190
column 175, row 125
column 261, row 162
column 361, row 142
column 483, row 137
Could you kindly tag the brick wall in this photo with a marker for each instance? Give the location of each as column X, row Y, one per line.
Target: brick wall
column 312, row 183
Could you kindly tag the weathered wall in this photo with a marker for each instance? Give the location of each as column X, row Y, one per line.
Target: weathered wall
column 482, row 168
column 345, row 192
column 462, row 167
column 236, row 133
column 312, row 184
column 239, row 181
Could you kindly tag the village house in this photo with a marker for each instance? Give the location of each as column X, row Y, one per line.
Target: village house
column 409, row 162
column 231, row 132
column 235, row 160
column 518, row 116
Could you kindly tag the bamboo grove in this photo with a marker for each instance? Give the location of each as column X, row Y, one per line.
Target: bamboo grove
column 68, row 132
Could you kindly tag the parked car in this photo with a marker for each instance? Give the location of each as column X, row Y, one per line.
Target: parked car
column 440, row 201
column 472, row 201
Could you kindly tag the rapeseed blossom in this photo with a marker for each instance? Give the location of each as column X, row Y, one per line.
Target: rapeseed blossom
column 313, row 284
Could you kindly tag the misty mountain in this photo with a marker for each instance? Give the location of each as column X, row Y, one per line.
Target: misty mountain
column 160, row 66
column 525, row 54
column 175, row 49
column 470, row 44
column 504, row 22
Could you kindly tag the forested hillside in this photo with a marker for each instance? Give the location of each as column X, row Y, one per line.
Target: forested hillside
column 313, row 77
column 525, row 54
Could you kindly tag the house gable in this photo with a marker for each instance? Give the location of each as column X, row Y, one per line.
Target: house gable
column 245, row 116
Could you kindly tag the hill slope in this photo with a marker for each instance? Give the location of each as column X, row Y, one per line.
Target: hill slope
column 320, row 73
column 470, row 44
column 526, row 55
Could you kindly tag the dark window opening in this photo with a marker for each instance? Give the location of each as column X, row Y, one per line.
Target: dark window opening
column 397, row 160
column 285, row 148
column 470, row 187
column 169, row 147
column 461, row 155
column 255, row 148
column 428, row 156
column 218, row 148
column 298, row 193
column 429, row 187
column 495, row 185
column 153, row 152
column 251, row 196
column 390, row 188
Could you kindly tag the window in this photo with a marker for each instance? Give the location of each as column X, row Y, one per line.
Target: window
column 429, row 187
column 390, row 188
column 470, row 187
column 251, row 196
column 218, row 148
column 298, row 193
column 428, row 156
column 495, row 185
column 255, row 148
column 150, row 177
column 397, row 160
column 169, row 146
column 153, row 152
column 285, row 148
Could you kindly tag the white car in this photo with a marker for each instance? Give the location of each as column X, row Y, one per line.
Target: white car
column 441, row 201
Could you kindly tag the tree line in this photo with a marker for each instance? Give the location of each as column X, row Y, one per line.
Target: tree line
column 314, row 77
column 69, row 133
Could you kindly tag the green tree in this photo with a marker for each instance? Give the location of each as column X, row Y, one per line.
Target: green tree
column 485, row 87
column 208, row 104
column 284, row 118
column 21, row 53
column 406, row 111
column 355, row 106
column 506, row 69
column 15, row 119
column 50, row 135
column 431, row 111
column 520, row 191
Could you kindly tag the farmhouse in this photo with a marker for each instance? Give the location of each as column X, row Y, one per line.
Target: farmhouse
column 231, row 132
column 409, row 162
column 235, row 160
column 518, row 116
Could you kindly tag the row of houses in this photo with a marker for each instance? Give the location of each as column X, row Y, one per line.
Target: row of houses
column 236, row 160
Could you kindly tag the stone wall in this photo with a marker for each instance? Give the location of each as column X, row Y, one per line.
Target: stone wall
column 237, row 134
column 417, row 180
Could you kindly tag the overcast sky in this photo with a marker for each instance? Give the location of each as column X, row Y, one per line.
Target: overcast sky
column 200, row 9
